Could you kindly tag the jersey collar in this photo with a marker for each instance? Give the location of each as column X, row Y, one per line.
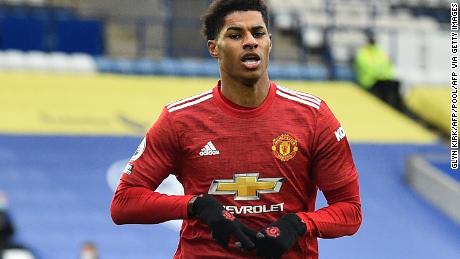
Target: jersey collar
column 239, row 111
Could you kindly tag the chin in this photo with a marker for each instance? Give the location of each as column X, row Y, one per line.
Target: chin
column 252, row 78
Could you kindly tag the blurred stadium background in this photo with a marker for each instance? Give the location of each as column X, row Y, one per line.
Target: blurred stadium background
column 81, row 81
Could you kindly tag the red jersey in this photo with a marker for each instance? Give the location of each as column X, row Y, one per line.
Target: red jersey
column 259, row 163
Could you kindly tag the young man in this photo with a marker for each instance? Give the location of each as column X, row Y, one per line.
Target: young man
column 249, row 153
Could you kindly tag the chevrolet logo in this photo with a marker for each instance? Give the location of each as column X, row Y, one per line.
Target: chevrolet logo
column 246, row 187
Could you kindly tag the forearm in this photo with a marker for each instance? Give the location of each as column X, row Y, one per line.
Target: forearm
column 342, row 217
column 140, row 205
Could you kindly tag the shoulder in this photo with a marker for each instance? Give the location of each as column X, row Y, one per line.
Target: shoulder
column 190, row 103
column 299, row 98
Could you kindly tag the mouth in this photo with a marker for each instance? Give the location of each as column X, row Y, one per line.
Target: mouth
column 250, row 60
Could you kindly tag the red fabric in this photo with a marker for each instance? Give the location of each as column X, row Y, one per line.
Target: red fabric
column 249, row 141
column 139, row 205
column 341, row 217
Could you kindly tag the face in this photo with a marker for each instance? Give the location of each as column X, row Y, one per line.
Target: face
column 88, row 251
column 242, row 47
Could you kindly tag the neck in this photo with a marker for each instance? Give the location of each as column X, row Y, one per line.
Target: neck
column 246, row 94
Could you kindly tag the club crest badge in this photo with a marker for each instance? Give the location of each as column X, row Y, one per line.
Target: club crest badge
column 284, row 147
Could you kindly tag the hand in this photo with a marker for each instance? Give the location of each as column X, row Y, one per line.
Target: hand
column 222, row 223
column 280, row 236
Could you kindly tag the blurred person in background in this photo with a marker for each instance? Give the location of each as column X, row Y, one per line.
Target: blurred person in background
column 376, row 73
column 249, row 153
column 6, row 226
column 89, row 251
column 9, row 248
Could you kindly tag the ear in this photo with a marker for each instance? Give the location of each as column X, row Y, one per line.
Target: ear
column 212, row 48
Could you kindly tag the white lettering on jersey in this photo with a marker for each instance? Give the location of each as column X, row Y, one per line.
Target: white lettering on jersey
column 256, row 209
column 339, row 133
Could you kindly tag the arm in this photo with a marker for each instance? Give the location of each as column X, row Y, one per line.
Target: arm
column 336, row 175
column 134, row 204
column 135, row 201
column 341, row 217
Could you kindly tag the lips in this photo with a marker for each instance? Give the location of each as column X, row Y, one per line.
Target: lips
column 250, row 60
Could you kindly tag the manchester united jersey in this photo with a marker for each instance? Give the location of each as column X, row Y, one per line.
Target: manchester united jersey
column 259, row 163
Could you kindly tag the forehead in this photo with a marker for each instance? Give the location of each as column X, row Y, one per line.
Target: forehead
column 244, row 19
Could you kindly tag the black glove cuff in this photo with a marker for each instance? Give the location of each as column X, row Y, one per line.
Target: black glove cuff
column 296, row 223
column 207, row 209
column 190, row 212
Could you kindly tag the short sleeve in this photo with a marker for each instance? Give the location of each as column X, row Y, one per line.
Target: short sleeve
column 156, row 156
column 332, row 160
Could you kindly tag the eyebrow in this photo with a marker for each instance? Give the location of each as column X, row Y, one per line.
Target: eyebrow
column 239, row 28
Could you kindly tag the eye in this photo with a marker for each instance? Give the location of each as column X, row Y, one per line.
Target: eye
column 258, row 34
column 234, row 36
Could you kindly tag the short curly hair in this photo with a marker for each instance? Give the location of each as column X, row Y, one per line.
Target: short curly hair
column 213, row 19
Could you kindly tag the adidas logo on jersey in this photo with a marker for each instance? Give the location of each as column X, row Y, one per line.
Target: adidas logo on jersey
column 209, row 150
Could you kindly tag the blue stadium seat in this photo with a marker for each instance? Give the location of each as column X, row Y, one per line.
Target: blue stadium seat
column 62, row 14
column 192, row 67
column 145, row 67
column 80, row 36
column 124, row 66
column 342, row 72
column 169, row 66
column 41, row 13
column 104, row 64
column 210, row 68
column 16, row 12
column 3, row 12
column 316, row 72
column 23, row 34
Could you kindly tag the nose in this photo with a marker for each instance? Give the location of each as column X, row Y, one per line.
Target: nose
column 250, row 42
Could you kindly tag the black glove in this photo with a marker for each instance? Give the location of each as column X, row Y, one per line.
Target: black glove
column 279, row 236
column 222, row 223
